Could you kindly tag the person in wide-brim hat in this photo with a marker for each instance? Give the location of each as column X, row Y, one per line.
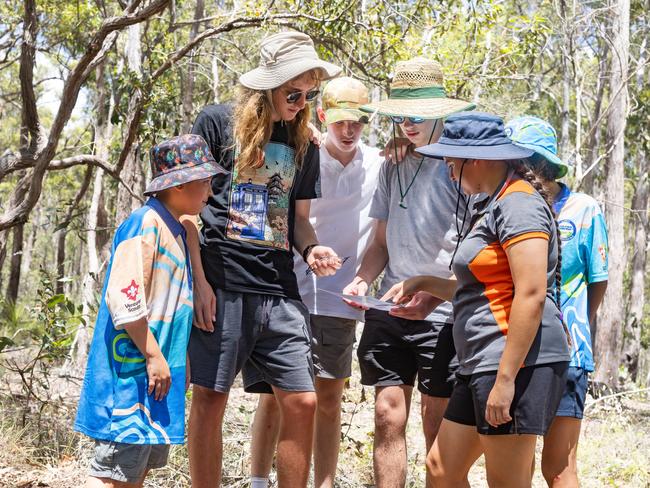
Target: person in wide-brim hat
column 255, row 219
column 417, row 90
column 508, row 331
column 284, row 56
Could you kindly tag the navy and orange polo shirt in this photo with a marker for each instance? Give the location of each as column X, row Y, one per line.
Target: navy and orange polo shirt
column 483, row 299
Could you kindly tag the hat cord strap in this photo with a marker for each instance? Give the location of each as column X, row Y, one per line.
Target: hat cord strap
column 402, row 193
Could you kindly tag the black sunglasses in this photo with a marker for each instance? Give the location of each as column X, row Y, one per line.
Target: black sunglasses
column 310, row 96
column 310, row 270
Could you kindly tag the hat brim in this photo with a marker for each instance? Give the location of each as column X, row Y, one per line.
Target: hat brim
column 184, row 175
column 425, row 108
column 334, row 115
column 498, row 152
column 562, row 167
column 265, row 78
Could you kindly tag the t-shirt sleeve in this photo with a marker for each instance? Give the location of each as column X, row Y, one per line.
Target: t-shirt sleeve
column 130, row 278
column 595, row 247
column 308, row 187
column 520, row 216
column 380, row 207
column 212, row 124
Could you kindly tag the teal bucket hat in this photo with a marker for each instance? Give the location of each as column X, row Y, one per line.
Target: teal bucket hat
column 539, row 136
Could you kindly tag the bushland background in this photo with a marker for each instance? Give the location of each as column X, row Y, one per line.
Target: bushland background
column 88, row 86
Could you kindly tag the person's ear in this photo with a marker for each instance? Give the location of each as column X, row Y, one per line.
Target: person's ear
column 321, row 114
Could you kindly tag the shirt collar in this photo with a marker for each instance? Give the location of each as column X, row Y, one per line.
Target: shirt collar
column 174, row 225
column 561, row 198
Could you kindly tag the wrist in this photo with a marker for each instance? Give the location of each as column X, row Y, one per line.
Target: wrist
column 505, row 376
column 307, row 250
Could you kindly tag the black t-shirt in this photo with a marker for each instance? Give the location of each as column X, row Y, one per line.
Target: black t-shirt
column 247, row 235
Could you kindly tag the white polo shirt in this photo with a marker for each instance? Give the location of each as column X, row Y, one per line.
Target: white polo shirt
column 340, row 219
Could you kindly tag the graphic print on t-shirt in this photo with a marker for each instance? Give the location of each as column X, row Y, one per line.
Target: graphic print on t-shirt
column 259, row 200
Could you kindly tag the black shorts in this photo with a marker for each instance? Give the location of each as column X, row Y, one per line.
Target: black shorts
column 393, row 351
column 538, row 390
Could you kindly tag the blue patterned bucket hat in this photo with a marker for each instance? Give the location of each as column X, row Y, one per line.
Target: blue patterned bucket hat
column 475, row 135
column 539, row 136
column 180, row 160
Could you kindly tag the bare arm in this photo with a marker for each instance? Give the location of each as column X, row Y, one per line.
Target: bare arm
column 374, row 262
column 595, row 295
column 528, row 265
column 376, row 256
column 157, row 368
column 205, row 302
column 321, row 259
column 441, row 288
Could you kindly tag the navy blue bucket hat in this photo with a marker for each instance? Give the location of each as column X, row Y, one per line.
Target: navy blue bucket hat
column 475, row 135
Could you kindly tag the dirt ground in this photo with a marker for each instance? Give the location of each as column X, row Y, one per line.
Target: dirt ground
column 614, row 449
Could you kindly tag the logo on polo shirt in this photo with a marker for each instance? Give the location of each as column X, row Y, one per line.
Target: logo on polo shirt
column 567, row 229
column 131, row 291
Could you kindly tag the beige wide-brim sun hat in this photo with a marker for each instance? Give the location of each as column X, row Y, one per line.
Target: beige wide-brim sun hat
column 417, row 90
column 283, row 57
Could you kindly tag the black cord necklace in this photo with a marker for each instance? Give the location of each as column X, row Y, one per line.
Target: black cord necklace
column 403, row 193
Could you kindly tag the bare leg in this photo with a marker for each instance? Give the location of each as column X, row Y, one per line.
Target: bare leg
column 559, row 456
column 266, row 426
column 513, row 470
column 295, row 438
column 432, row 410
column 392, row 405
column 455, row 449
column 327, row 436
column 204, row 436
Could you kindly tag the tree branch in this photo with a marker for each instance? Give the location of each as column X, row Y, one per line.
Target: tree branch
column 18, row 214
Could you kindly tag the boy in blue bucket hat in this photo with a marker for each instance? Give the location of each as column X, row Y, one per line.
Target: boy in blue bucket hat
column 512, row 349
column 133, row 398
column 583, row 236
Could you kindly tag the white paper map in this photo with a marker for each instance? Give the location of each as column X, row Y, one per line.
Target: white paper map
column 364, row 301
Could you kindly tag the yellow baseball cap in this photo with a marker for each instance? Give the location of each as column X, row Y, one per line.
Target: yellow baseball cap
column 342, row 98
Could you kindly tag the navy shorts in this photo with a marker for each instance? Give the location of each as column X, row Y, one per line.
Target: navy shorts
column 572, row 403
column 394, row 351
column 538, row 390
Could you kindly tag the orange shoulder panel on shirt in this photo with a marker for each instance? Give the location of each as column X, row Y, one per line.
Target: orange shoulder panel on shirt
column 523, row 237
column 521, row 186
column 491, row 267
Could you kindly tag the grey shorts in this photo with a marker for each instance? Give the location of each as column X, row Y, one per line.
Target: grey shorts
column 266, row 337
column 331, row 346
column 127, row 463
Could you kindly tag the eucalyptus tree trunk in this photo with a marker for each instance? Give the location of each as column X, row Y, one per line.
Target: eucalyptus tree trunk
column 132, row 173
column 636, row 297
column 90, row 283
column 17, row 233
column 610, row 324
column 188, row 77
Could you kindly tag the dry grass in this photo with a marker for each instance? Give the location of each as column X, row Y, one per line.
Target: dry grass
column 614, row 451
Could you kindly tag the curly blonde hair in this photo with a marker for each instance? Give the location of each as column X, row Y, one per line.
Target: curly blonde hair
column 253, row 125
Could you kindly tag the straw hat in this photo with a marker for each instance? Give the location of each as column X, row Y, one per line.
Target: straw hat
column 417, row 90
column 283, row 57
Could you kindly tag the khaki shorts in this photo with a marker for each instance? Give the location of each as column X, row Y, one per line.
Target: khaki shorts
column 331, row 346
column 127, row 463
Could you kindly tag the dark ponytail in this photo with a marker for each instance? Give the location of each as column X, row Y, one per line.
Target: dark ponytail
column 525, row 173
